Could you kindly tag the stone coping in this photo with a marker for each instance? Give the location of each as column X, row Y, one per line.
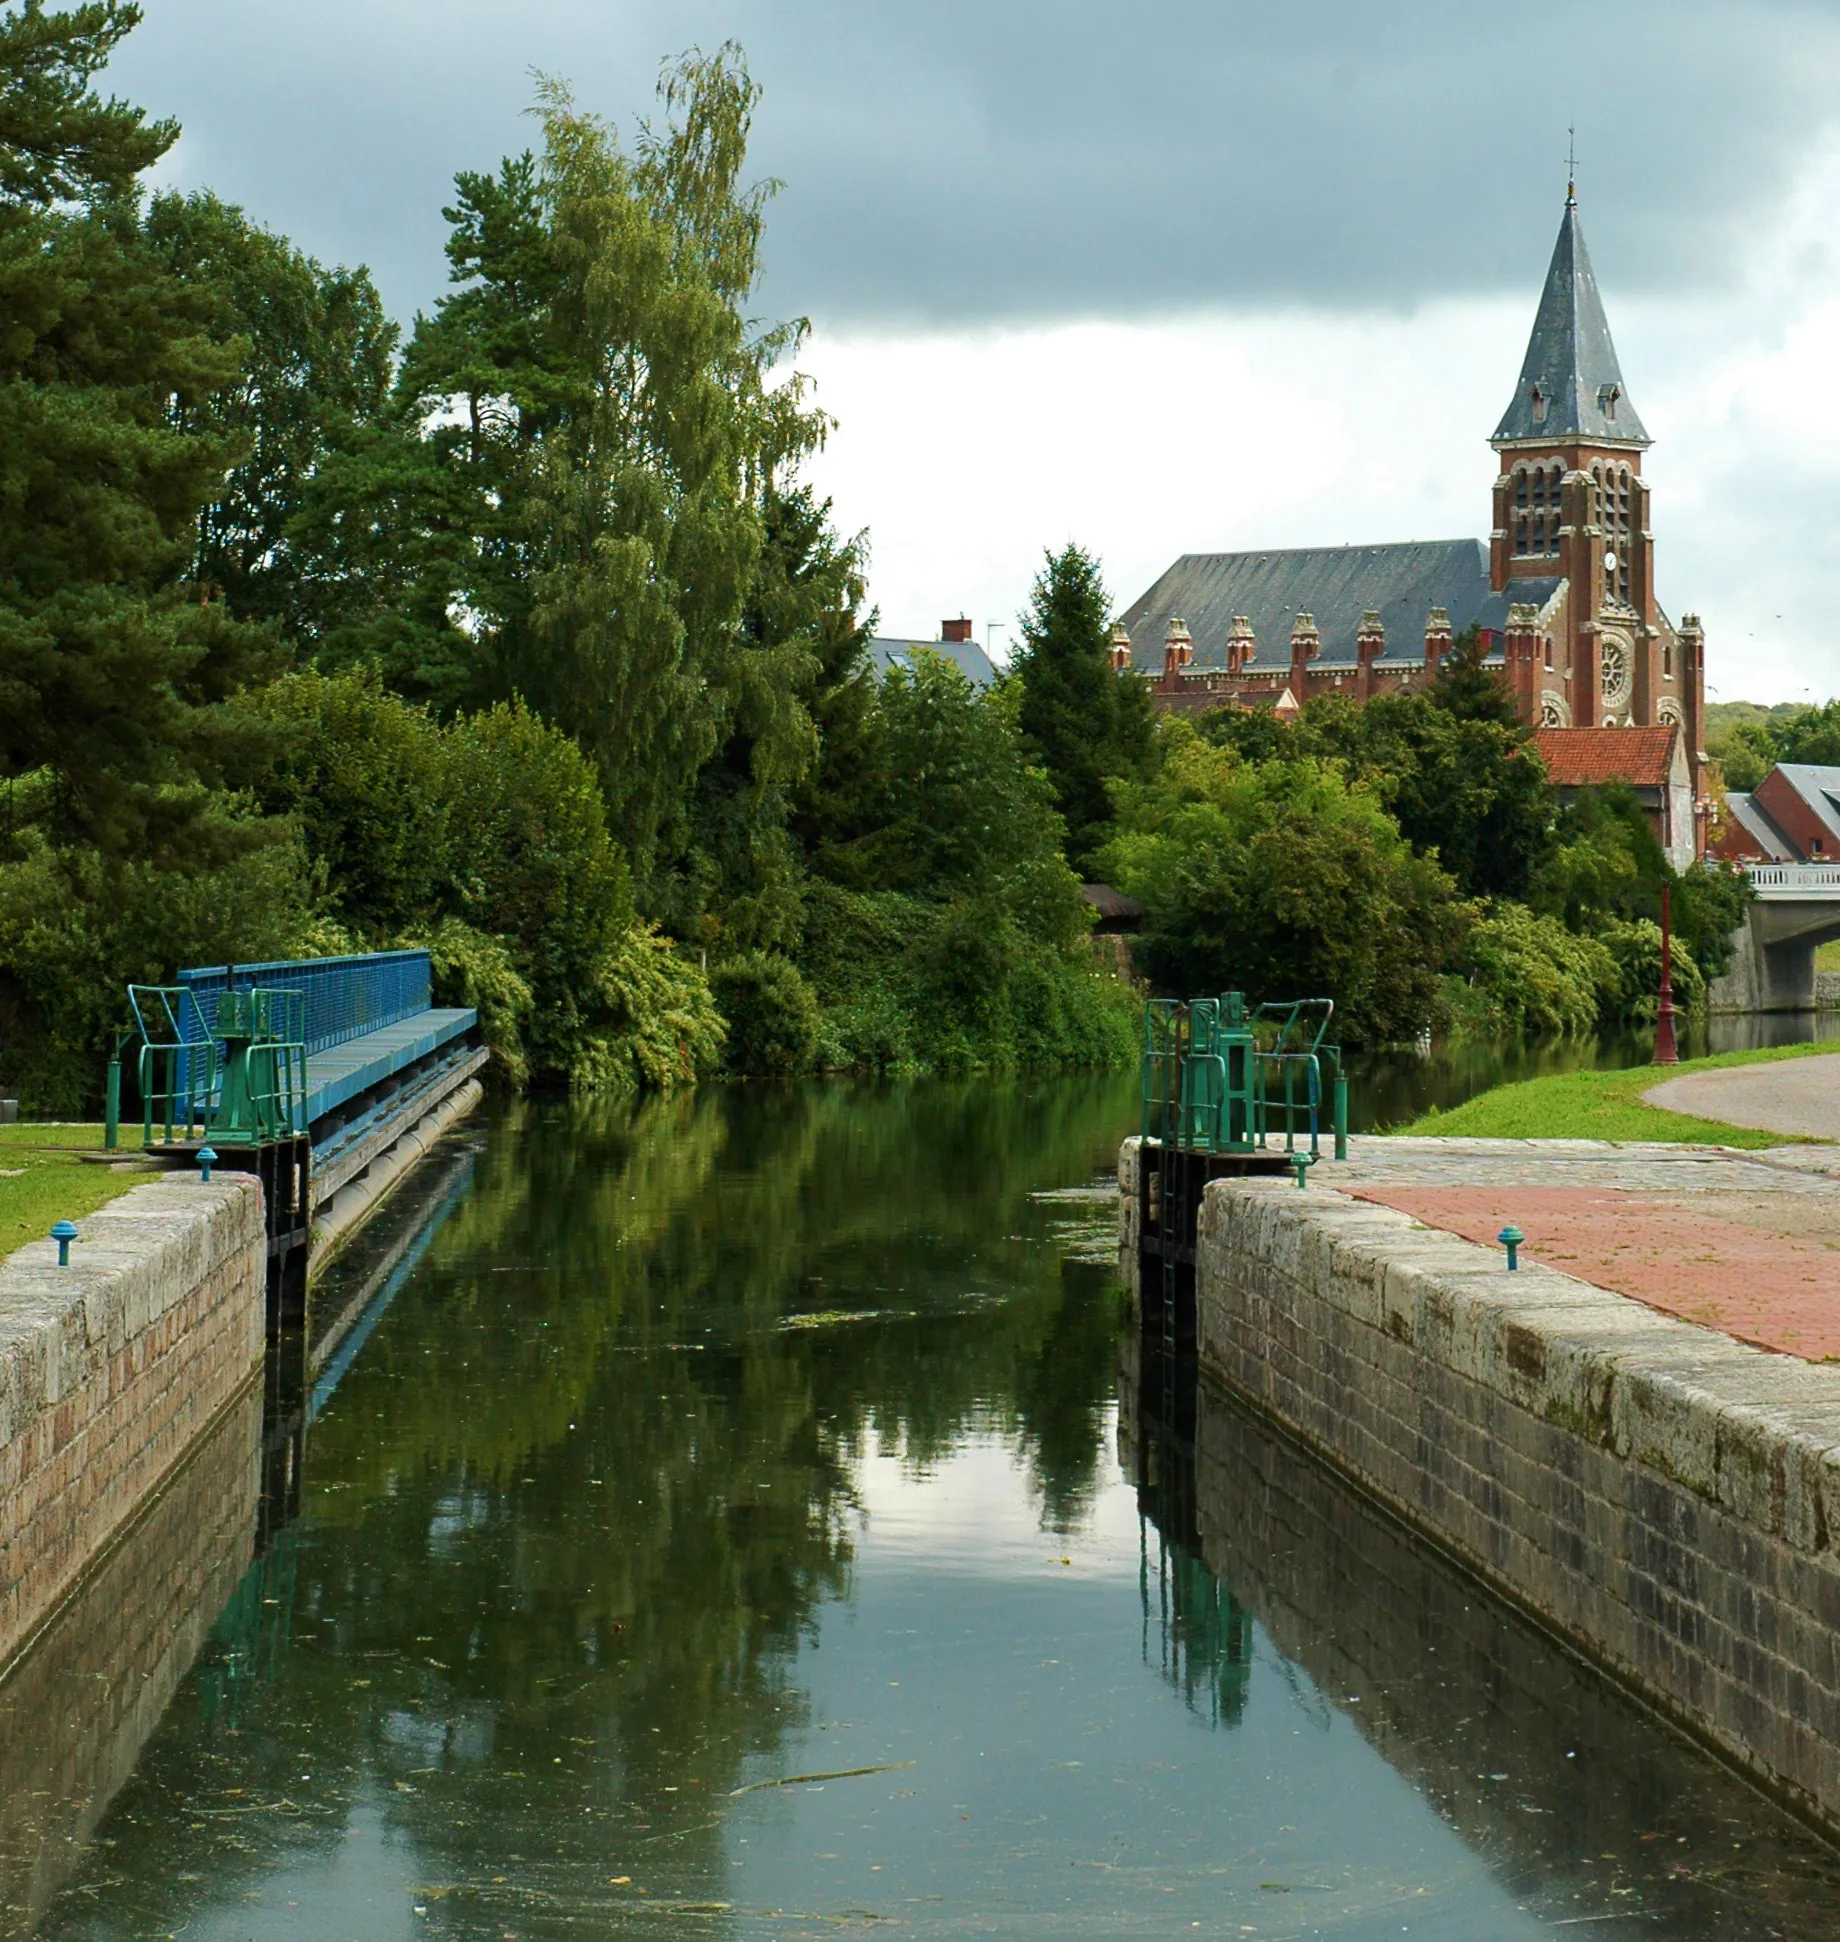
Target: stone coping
column 133, row 1260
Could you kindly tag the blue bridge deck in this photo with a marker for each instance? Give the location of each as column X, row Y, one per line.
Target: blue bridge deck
column 339, row 1073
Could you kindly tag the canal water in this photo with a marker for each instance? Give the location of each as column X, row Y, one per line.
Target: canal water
column 744, row 1516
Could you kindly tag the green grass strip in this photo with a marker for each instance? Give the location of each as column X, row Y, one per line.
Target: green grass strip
column 43, row 1182
column 1607, row 1106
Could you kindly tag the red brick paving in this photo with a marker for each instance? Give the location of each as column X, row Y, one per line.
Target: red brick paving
column 1762, row 1288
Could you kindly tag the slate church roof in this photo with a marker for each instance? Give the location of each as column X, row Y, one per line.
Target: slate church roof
column 1571, row 385
column 1335, row 584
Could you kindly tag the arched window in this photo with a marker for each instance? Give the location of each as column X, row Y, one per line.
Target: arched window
column 1612, row 497
column 1534, row 527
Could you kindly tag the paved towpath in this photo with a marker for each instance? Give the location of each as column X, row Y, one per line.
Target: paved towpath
column 1745, row 1243
column 1794, row 1096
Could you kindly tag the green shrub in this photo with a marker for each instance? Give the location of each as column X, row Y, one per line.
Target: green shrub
column 1282, row 879
column 472, row 969
column 770, row 1013
column 1635, row 948
column 1526, row 976
column 76, row 929
column 363, row 773
column 653, row 1025
column 907, row 986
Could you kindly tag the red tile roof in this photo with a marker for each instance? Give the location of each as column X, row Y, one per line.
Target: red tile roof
column 1574, row 757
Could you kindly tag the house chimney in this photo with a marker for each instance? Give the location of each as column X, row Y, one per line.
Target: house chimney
column 1369, row 645
column 1242, row 644
column 1121, row 648
column 955, row 630
column 1437, row 637
column 1178, row 648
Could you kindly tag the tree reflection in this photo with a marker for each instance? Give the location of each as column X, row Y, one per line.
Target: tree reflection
column 570, row 1518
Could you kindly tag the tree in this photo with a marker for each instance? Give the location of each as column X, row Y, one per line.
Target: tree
column 1283, row 879
column 317, row 359
column 795, row 735
column 1083, row 723
column 1469, row 790
column 110, row 667
column 644, row 513
column 1470, row 690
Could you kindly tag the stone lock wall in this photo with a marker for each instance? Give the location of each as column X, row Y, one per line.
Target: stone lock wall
column 1665, row 1498
column 110, row 1371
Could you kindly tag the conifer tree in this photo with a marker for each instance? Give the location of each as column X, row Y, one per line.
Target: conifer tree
column 1082, row 722
column 109, row 665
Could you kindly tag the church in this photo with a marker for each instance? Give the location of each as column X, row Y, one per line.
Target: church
column 1562, row 592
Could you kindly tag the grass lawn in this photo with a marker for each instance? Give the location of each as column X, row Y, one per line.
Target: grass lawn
column 1604, row 1106
column 42, row 1182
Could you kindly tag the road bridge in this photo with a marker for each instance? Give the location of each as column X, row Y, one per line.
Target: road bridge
column 1796, row 910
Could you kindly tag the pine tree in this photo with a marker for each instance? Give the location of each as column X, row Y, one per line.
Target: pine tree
column 1468, row 689
column 109, row 665
column 1082, row 722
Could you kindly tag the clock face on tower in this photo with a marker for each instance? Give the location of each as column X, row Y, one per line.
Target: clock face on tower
column 1615, row 671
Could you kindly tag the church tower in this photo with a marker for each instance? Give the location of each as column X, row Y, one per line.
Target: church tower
column 1571, row 533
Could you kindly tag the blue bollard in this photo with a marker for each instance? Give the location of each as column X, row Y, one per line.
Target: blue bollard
column 1301, row 1165
column 207, row 1159
column 1511, row 1238
column 64, row 1233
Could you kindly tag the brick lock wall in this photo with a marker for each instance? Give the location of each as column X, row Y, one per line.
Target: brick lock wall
column 78, row 1708
column 1536, row 1761
column 1665, row 1498
column 111, row 1369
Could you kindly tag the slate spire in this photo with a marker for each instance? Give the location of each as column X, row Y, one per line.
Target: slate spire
column 1571, row 386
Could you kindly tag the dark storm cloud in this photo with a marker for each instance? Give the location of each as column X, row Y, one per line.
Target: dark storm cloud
column 978, row 161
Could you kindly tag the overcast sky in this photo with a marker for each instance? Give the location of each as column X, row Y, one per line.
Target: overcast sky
column 1174, row 276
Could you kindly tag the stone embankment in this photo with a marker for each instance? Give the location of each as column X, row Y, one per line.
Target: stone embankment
column 111, row 1369
column 1662, row 1495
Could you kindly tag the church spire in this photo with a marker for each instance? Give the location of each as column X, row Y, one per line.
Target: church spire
column 1571, row 386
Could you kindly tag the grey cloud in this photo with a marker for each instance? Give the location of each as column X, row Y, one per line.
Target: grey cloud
column 989, row 161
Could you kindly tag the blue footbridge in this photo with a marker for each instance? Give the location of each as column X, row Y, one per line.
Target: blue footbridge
column 329, row 1076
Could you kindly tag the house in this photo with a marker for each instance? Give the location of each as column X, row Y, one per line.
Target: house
column 1562, row 591
column 1651, row 761
column 1792, row 816
column 954, row 644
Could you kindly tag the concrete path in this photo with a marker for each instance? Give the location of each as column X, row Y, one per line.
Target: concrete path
column 1746, row 1244
column 1794, row 1096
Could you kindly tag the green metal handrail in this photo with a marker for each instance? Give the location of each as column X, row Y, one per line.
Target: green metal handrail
column 1217, row 1079
column 238, row 1075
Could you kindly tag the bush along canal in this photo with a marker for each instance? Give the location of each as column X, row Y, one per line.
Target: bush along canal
column 744, row 1515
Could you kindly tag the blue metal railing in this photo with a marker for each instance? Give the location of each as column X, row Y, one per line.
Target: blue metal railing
column 345, row 997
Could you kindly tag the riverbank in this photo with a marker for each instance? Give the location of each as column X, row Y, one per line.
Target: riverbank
column 1611, row 1105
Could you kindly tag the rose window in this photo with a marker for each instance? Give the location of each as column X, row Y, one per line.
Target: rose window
column 1616, row 673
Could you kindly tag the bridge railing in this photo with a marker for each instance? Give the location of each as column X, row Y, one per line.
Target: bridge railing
column 1795, row 879
column 345, row 996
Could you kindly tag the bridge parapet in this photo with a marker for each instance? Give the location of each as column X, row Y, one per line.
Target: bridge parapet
column 345, row 996
column 1794, row 882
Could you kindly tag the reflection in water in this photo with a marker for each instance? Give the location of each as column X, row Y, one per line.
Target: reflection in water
column 76, row 1712
column 719, row 1534
column 1549, row 1773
